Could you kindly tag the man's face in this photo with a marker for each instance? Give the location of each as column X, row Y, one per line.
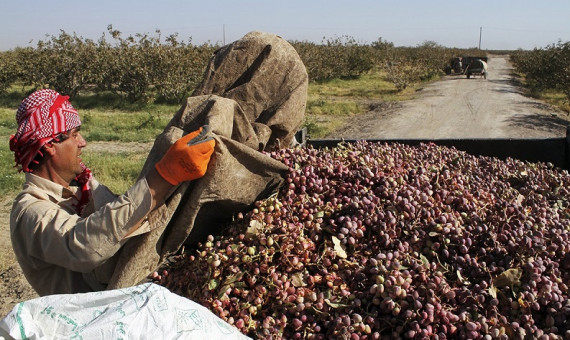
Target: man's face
column 66, row 159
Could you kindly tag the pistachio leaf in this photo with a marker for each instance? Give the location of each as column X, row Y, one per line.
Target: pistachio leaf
column 213, row 284
column 222, row 296
column 508, row 278
column 493, row 291
column 338, row 248
column 335, row 304
column 297, row 280
column 425, row 261
column 461, row 278
column 230, row 279
column 254, row 227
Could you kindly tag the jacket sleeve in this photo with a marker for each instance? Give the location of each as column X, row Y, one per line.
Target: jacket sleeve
column 54, row 235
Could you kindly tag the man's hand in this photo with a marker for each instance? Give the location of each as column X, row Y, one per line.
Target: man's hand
column 187, row 158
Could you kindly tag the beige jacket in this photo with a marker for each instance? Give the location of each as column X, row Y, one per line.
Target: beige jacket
column 62, row 252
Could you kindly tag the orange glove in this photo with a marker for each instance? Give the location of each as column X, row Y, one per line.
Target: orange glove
column 187, row 158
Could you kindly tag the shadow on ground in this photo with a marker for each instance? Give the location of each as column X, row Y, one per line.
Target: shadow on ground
column 539, row 121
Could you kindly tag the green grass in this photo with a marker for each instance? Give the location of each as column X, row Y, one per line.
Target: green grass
column 333, row 108
column 142, row 126
column 7, row 121
column 554, row 98
column 372, row 85
column 118, row 171
column 331, row 103
column 10, row 179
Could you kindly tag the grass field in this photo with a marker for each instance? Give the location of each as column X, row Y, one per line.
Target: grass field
column 331, row 103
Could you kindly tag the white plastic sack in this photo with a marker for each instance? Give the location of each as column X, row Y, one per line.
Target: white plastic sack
column 147, row 311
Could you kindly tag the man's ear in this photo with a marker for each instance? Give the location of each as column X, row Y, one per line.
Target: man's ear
column 49, row 148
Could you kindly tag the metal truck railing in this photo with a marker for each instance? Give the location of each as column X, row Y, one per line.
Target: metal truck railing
column 554, row 150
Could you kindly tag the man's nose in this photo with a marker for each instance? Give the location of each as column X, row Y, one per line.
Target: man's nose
column 81, row 141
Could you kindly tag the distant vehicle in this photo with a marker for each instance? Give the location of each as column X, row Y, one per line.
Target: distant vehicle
column 476, row 67
column 458, row 65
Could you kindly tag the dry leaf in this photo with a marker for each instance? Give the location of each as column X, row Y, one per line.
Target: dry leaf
column 425, row 261
column 297, row 280
column 338, row 248
column 336, row 304
column 493, row 291
column 461, row 278
column 508, row 278
column 233, row 278
column 254, row 227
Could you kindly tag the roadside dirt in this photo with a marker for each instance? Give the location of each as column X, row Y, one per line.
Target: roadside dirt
column 13, row 285
column 454, row 107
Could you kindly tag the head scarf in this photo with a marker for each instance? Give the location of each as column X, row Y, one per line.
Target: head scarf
column 41, row 117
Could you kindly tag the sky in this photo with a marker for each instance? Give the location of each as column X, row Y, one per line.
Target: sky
column 488, row 24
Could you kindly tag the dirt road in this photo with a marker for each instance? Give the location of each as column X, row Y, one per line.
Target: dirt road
column 457, row 107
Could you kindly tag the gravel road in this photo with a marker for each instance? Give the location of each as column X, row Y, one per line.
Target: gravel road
column 457, row 107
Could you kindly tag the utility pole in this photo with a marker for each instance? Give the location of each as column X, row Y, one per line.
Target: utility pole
column 224, row 33
column 480, row 32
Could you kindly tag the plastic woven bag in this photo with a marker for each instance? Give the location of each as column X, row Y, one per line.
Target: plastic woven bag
column 146, row 311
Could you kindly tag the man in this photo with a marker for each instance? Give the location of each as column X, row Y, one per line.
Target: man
column 65, row 226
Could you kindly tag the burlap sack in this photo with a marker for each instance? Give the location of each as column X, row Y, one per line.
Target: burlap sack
column 253, row 97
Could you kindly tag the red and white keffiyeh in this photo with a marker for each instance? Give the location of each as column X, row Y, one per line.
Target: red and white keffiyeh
column 41, row 117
